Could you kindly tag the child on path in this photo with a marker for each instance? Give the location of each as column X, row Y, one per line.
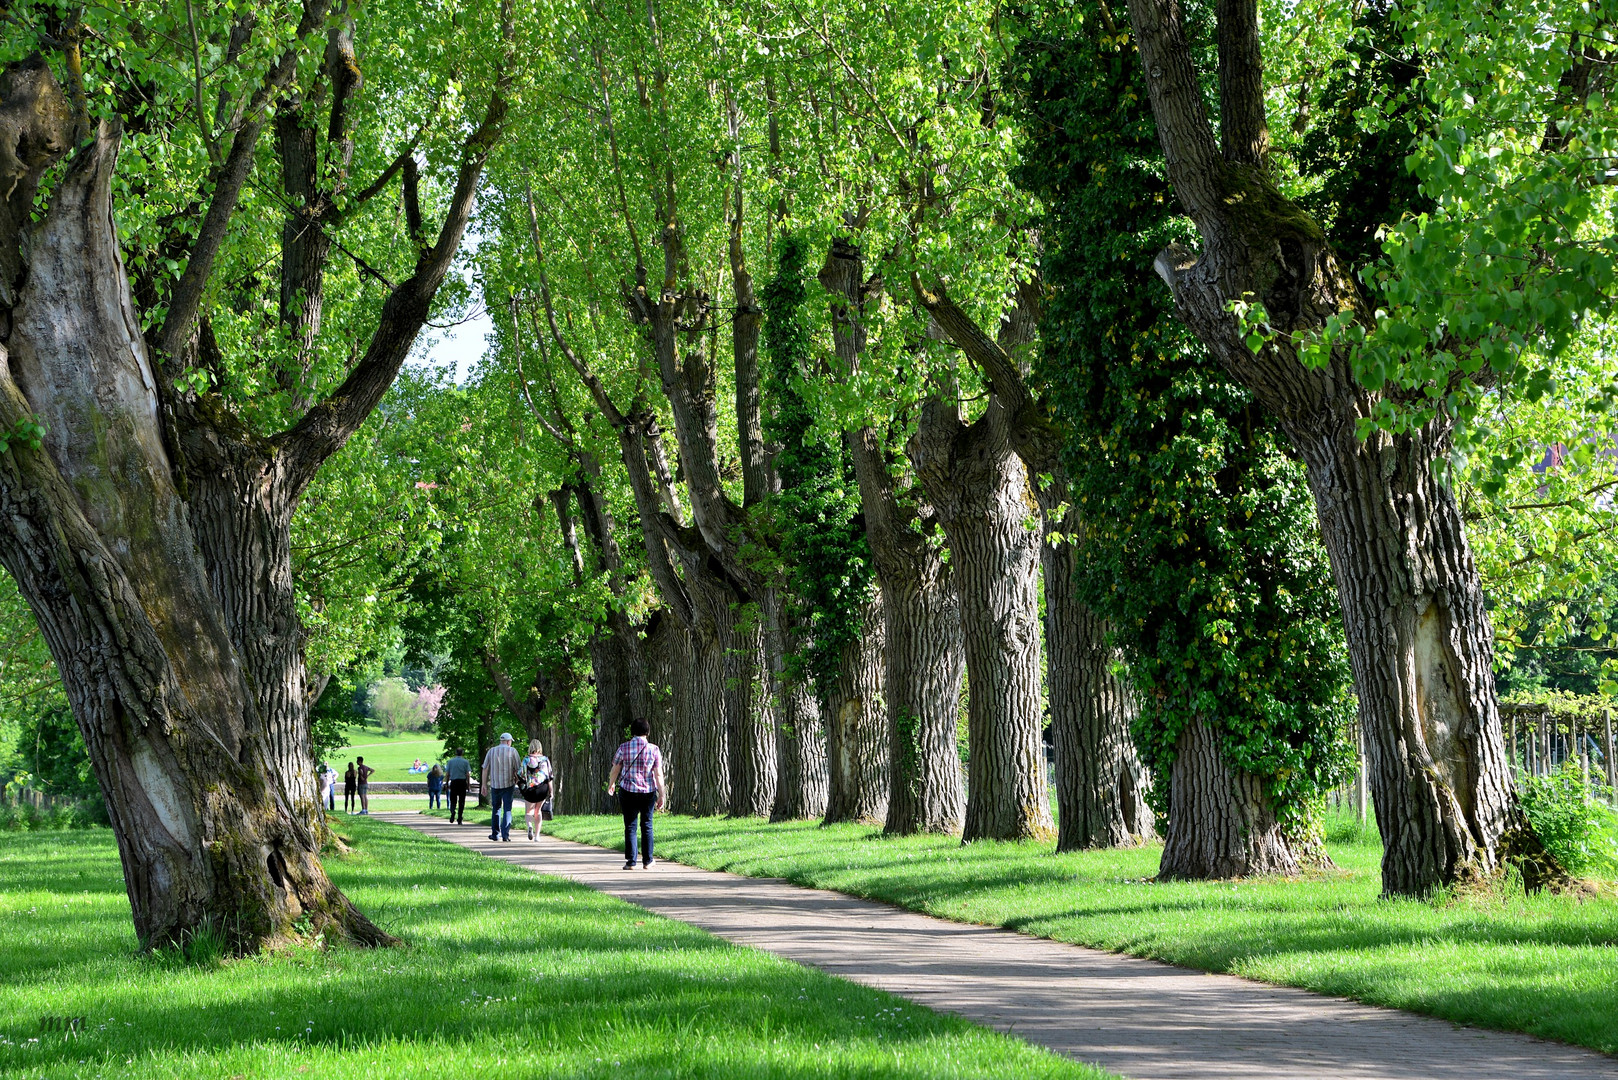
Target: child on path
column 534, row 780
column 637, row 776
column 364, row 772
column 499, row 778
column 435, row 786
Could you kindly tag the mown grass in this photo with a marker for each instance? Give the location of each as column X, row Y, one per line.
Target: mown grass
column 504, row 973
column 1547, row 965
column 390, row 755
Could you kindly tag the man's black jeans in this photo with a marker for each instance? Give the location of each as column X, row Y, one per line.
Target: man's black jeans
column 457, row 801
column 637, row 804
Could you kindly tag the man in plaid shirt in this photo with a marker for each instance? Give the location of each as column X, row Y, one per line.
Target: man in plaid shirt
column 637, row 777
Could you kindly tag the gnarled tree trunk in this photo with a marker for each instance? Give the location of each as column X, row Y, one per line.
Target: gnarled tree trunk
column 1418, row 632
column 923, row 664
column 857, row 740
column 748, row 714
column 101, row 543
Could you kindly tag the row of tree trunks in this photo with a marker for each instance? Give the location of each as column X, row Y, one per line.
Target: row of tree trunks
column 801, row 738
column 857, row 727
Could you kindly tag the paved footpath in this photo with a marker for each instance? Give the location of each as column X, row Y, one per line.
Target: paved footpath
column 1136, row 1017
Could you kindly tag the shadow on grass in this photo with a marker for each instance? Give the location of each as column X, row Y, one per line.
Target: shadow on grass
column 491, row 951
column 1545, row 965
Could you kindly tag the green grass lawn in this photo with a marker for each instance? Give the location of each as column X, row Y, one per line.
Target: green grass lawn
column 389, row 755
column 503, row 973
column 1547, row 965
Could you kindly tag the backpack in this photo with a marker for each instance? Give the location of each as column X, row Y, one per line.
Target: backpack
column 537, row 788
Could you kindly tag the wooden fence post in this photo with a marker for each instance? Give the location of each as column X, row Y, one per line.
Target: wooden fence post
column 1612, row 766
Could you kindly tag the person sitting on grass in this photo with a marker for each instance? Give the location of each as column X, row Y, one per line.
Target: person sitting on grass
column 637, row 776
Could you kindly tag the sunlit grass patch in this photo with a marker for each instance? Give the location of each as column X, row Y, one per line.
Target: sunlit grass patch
column 1547, row 965
column 502, row 971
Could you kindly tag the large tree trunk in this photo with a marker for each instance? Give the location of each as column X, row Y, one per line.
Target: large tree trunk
column 1221, row 822
column 1418, row 632
column 102, row 545
column 979, row 489
column 748, row 714
column 923, row 663
column 1100, row 782
column 857, row 739
column 800, row 735
column 668, row 670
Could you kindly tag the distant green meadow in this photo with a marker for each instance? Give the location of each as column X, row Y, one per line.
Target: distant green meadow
column 503, row 973
column 1546, row 965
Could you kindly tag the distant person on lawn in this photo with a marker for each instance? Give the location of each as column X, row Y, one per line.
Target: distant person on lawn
column 350, row 782
column 435, row 786
column 364, row 772
column 534, row 779
column 458, row 771
column 328, row 786
column 637, row 777
column 499, row 779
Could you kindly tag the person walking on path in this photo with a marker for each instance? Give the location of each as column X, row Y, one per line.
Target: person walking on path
column 534, row 780
column 637, row 776
column 350, row 782
column 499, row 779
column 458, row 771
column 435, row 786
column 364, row 773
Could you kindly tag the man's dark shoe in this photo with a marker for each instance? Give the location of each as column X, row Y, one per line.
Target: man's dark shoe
column 494, row 838
column 629, row 864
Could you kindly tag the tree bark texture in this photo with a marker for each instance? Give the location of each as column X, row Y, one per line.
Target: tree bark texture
column 800, row 735
column 1418, row 632
column 979, row 489
column 857, row 739
column 1221, row 823
column 668, row 664
column 1100, row 782
column 748, row 715
column 102, row 544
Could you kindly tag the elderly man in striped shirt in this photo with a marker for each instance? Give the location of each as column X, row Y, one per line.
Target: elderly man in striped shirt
column 499, row 779
column 637, row 777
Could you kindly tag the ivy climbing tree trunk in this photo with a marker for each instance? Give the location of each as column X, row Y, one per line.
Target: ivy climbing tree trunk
column 1100, row 782
column 857, row 738
column 1221, row 822
column 1413, row 609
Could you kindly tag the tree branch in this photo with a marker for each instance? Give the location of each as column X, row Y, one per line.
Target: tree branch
column 327, row 426
column 1243, row 129
column 186, row 300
